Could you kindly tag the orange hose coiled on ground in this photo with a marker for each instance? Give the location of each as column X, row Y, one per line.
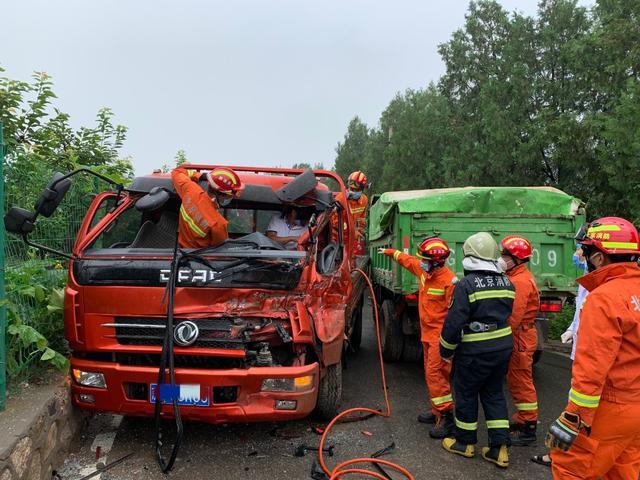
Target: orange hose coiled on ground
column 348, row 467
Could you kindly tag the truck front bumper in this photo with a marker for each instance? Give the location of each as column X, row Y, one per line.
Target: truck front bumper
column 250, row 403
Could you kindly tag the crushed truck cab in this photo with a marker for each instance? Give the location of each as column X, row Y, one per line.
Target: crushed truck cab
column 259, row 330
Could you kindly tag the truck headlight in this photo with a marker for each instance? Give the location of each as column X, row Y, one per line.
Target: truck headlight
column 89, row 379
column 297, row 384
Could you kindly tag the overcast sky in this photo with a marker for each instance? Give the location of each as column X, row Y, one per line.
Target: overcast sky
column 246, row 82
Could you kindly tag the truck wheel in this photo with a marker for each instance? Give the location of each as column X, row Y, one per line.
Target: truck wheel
column 329, row 393
column 356, row 334
column 412, row 351
column 391, row 335
column 537, row 355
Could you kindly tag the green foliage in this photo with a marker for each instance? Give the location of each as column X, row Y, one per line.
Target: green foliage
column 559, row 322
column 180, row 158
column 35, row 323
column 546, row 100
column 40, row 141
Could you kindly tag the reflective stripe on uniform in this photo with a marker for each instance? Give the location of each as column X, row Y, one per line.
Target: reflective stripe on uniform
column 358, row 210
column 527, row 406
column 441, row 400
column 468, row 426
column 396, row 254
column 497, row 423
column 486, row 294
column 436, row 291
column 445, row 344
column 422, row 280
column 189, row 221
column 478, row 337
column 582, row 400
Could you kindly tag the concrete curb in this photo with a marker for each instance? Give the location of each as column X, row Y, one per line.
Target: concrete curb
column 40, row 443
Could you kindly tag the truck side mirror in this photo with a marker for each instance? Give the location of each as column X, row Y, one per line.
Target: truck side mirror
column 153, row 200
column 298, row 187
column 19, row 221
column 52, row 195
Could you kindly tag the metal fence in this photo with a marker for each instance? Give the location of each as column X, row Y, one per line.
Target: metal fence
column 32, row 276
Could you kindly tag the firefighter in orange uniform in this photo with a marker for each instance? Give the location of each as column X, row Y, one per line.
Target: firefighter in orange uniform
column 516, row 253
column 200, row 223
column 598, row 434
column 436, row 283
column 358, row 203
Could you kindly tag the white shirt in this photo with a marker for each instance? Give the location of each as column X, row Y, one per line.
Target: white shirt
column 281, row 228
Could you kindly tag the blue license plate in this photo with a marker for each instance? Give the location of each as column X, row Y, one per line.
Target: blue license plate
column 186, row 394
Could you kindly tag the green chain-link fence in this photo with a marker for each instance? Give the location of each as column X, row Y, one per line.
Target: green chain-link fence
column 35, row 280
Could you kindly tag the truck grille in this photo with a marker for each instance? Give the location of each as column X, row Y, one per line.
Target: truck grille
column 214, row 332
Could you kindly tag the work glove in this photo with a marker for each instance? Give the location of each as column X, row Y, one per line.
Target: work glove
column 567, row 337
column 564, row 431
column 381, row 250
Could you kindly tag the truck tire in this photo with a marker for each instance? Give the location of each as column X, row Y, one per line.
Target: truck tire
column 329, row 393
column 537, row 355
column 356, row 334
column 391, row 335
column 412, row 351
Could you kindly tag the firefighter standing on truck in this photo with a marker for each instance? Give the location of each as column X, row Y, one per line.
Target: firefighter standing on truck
column 476, row 330
column 516, row 252
column 598, row 434
column 358, row 203
column 436, row 283
column 200, row 223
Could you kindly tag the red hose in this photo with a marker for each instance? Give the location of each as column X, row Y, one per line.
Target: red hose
column 347, row 467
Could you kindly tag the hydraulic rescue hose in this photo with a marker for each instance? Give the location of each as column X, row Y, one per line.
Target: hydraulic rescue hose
column 348, row 467
column 167, row 357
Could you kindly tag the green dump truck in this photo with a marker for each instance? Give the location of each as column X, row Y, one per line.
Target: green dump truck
column 546, row 216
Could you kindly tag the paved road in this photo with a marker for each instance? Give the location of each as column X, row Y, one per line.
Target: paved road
column 265, row 451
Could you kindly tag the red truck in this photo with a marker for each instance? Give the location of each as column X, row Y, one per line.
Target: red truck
column 259, row 331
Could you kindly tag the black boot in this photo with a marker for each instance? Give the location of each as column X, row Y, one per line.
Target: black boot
column 526, row 435
column 515, row 426
column 427, row 418
column 444, row 426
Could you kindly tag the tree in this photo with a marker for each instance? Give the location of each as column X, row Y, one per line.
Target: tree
column 40, row 141
column 350, row 153
column 180, row 158
column 546, row 100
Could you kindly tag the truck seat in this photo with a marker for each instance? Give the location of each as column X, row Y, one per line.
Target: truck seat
column 157, row 235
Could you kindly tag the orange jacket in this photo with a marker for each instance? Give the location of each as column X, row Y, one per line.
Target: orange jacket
column 607, row 362
column 434, row 294
column 200, row 223
column 525, row 309
column 357, row 210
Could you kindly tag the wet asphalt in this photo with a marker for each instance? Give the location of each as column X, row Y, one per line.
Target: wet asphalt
column 266, row 451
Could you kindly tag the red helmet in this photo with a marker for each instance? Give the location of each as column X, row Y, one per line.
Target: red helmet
column 435, row 249
column 517, row 246
column 611, row 235
column 358, row 179
column 224, row 180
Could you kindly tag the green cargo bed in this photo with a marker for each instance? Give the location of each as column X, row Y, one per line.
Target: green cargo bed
column 545, row 215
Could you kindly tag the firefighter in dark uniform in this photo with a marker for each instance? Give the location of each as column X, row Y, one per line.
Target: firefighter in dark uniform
column 477, row 336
